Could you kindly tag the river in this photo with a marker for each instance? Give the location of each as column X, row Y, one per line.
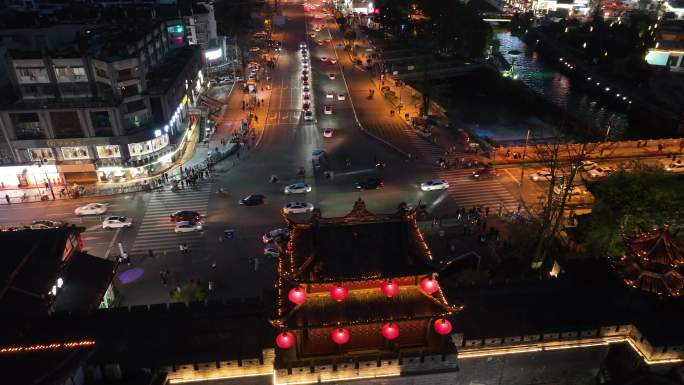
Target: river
column 557, row 88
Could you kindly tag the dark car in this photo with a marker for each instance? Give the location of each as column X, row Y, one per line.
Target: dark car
column 369, row 184
column 253, row 200
column 486, row 172
column 180, row 216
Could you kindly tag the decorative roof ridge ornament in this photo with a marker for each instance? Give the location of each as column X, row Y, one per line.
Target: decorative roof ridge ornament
column 359, row 211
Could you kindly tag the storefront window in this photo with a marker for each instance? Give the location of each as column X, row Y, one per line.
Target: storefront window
column 41, row 154
column 150, row 146
column 74, row 153
column 108, row 151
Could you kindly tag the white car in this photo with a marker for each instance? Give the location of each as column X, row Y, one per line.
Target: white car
column 588, row 165
column 600, row 172
column 675, row 167
column 297, row 188
column 435, row 184
column 331, row 76
column 328, row 132
column 308, row 115
column 541, row 175
column 324, row 59
column 333, row 61
column 91, row 209
column 275, row 234
column 329, row 95
column 298, row 208
column 572, row 191
column 116, row 222
column 270, row 250
column 187, row 227
column 317, row 29
column 341, row 96
column 327, row 110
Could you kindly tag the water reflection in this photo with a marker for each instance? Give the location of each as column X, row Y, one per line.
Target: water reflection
column 557, row 87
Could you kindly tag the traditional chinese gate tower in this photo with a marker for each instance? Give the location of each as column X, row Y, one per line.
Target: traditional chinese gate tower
column 358, row 288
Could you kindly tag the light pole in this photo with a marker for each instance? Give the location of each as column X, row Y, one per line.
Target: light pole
column 522, row 165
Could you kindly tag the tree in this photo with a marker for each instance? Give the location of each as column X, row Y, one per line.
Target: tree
column 626, row 202
column 190, row 292
column 563, row 158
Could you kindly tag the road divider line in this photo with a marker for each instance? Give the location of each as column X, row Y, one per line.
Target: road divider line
column 109, row 248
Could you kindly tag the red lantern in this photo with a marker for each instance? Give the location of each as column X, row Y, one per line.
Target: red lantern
column 296, row 295
column 429, row 285
column 340, row 336
column 339, row 293
column 390, row 331
column 442, row 326
column 285, row 340
column 389, row 288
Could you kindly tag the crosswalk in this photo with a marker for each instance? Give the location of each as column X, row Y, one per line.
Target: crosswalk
column 156, row 231
column 284, row 117
column 464, row 190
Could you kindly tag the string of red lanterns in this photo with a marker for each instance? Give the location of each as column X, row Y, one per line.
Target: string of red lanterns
column 341, row 336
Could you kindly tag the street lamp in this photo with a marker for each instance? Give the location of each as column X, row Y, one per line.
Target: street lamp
column 522, row 165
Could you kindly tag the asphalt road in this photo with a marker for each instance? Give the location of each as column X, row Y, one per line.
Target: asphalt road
column 285, row 144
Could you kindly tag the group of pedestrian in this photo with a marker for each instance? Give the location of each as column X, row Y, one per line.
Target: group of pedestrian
column 183, row 247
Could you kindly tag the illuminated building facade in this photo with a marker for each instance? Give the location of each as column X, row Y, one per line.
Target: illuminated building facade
column 654, row 263
column 111, row 105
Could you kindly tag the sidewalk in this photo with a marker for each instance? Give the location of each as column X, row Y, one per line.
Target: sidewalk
column 442, row 137
column 665, row 148
column 191, row 158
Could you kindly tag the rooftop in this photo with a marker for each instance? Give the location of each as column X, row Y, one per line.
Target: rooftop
column 164, row 74
column 365, row 306
column 360, row 245
column 587, row 295
column 29, row 268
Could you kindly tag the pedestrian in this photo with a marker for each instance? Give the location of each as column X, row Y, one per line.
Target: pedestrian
column 256, row 264
column 487, row 211
column 150, row 253
column 163, row 277
column 237, row 155
column 660, row 147
column 210, row 286
column 681, row 147
column 7, row 198
column 180, row 247
column 213, row 265
column 185, row 248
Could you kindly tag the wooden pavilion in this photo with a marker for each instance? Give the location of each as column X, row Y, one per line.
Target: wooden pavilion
column 653, row 263
column 357, row 286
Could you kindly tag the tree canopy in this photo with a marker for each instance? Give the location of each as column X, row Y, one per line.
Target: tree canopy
column 450, row 26
column 644, row 198
column 190, row 292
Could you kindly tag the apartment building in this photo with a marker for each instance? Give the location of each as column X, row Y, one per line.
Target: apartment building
column 111, row 106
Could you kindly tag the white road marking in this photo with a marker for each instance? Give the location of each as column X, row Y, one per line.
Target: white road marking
column 109, row 248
